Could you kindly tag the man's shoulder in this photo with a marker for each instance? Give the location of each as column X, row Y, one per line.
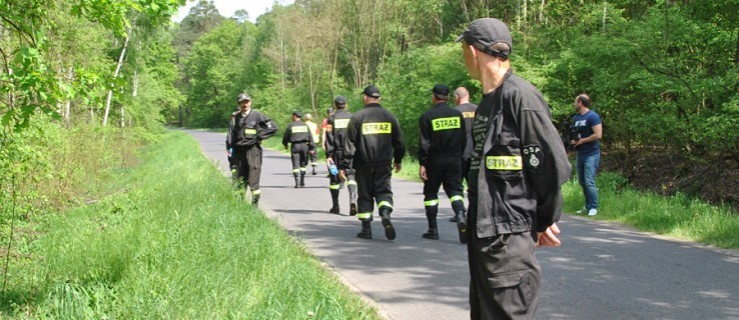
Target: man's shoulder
column 524, row 95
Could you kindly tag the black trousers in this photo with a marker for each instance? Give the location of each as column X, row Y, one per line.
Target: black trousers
column 504, row 274
column 373, row 183
column 248, row 162
column 446, row 172
column 299, row 155
column 466, row 169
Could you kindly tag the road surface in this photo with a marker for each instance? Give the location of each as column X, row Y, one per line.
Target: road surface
column 602, row 271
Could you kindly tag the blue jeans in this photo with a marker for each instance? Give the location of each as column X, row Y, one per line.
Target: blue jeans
column 587, row 167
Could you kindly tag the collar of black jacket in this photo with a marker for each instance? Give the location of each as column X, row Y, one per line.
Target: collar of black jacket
column 372, row 105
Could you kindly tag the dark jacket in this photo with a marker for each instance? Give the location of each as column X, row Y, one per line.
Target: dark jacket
column 373, row 138
column 336, row 126
column 298, row 132
column 468, row 113
column 519, row 162
column 442, row 134
column 249, row 130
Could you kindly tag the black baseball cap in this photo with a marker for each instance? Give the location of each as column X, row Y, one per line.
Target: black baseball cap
column 297, row 114
column 441, row 90
column 340, row 100
column 371, row 91
column 486, row 32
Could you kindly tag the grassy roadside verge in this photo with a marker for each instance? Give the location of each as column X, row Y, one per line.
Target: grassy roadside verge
column 174, row 242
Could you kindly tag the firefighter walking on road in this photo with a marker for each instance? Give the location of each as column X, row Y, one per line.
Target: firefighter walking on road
column 315, row 134
column 246, row 131
column 334, row 137
column 374, row 142
column 301, row 145
column 442, row 142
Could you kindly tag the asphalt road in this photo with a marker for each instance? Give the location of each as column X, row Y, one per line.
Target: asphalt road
column 602, row 270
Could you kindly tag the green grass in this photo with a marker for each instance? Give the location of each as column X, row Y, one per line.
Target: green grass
column 173, row 241
column 677, row 216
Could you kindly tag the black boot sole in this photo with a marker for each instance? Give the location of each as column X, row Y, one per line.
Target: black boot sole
column 389, row 230
column 353, row 209
column 336, row 211
column 462, row 228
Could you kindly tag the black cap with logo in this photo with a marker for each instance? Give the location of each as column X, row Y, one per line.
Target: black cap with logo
column 486, row 32
column 371, row 91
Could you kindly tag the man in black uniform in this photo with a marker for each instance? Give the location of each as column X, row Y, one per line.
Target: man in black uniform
column 462, row 100
column 373, row 141
column 298, row 135
column 518, row 166
column 245, row 134
column 442, row 142
column 335, row 134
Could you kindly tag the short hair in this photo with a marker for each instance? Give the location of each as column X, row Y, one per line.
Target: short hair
column 461, row 92
column 584, row 99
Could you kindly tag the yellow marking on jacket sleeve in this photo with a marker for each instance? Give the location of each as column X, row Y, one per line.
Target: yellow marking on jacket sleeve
column 300, row 129
column 468, row 114
column 250, row 131
column 445, row 123
column 377, row 128
column 341, row 123
column 503, row 163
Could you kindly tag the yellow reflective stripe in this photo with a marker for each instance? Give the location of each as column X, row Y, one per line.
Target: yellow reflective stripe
column 456, row 198
column 503, row 163
column 364, row 215
column 351, row 182
column 314, row 163
column 250, row 131
column 431, row 203
column 334, row 186
column 256, row 192
column 303, row 169
column 296, row 170
column 377, row 128
column 446, row 123
column 341, row 123
column 384, row 204
column 300, row 129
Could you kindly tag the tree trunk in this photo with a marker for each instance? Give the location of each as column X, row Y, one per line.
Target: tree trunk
column 115, row 75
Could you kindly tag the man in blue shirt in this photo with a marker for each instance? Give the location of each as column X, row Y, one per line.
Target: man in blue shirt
column 587, row 130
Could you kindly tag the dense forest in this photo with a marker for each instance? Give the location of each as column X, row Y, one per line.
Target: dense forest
column 80, row 79
column 662, row 74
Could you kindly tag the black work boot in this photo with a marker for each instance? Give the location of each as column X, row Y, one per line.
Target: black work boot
column 433, row 231
column 314, row 169
column 255, row 199
column 297, row 181
column 453, row 219
column 432, row 234
column 462, row 226
column 302, row 179
column 366, row 232
column 389, row 230
column 335, row 199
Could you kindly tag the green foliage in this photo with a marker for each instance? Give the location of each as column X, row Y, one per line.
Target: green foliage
column 170, row 239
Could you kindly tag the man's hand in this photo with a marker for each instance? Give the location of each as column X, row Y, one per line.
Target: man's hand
column 342, row 175
column 422, row 173
column 397, row 167
column 548, row 238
